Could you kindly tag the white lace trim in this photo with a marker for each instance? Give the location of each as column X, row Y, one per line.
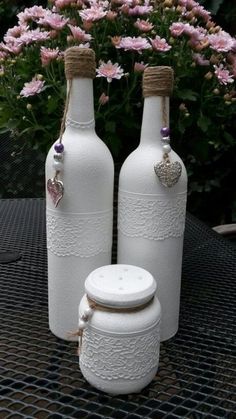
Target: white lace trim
column 77, row 234
column 155, row 217
column 108, row 356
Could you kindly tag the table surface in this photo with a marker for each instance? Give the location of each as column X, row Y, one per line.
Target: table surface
column 39, row 373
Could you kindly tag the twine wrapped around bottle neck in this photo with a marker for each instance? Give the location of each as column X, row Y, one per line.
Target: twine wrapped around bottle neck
column 158, row 81
column 80, row 62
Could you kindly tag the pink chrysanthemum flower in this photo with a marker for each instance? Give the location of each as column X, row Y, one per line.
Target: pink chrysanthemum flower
column 35, row 35
column 48, row 54
column 93, row 14
column 15, row 32
column 143, row 25
column 53, row 20
column 79, row 34
column 177, row 28
column 60, row 4
column 110, row 71
column 160, row 44
column 221, row 41
column 31, row 13
column 201, row 12
column 3, row 54
column 129, row 43
column 111, row 15
column 12, row 47
column 32, row 88
column 223, row 75
column 140, row 67
column 200, row 60
column 140, row 10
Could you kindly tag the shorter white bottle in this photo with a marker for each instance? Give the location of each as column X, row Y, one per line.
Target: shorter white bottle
column 119, row 320
column 152, row 200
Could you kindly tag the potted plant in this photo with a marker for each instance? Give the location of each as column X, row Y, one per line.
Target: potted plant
column 127, row 36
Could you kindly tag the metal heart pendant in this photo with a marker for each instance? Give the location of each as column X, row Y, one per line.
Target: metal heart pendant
column 168, row 173
column 56, row 190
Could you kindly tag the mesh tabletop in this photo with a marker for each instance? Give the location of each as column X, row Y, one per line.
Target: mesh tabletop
column 39, row 373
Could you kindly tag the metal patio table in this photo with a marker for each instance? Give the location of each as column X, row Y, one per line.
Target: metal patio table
column 39, row 373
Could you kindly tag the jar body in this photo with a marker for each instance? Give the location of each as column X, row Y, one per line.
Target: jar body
column 151, row 218
column 79, row 229
column 120, row 351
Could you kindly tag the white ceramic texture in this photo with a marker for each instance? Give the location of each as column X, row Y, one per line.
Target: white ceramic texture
column 79, row 229
column 151, row 217
column 120, row 285
column 120, row 350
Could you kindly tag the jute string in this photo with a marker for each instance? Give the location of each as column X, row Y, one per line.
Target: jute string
column 79, row 62
column 158, row 81
column 100, row 307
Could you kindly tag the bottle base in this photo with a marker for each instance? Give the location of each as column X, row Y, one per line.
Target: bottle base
column 68, row 336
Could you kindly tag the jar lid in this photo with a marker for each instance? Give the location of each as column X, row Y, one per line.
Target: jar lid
column 120, row 285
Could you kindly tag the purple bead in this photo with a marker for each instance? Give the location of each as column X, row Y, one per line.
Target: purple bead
column 165, row 131
column 59, row 147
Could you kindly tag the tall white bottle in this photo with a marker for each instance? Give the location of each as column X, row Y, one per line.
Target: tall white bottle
column 152, row 200
column 79, row 198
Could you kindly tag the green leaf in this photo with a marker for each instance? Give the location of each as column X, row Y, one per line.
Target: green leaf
column 203, row 122
column 215, row 5
column 187, row 94
column 4, row 130
column 52, row 104
column 110, row 127
column 229, row 138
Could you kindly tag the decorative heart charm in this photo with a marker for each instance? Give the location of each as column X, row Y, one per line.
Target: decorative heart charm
column 168, row 173
column 56, row 190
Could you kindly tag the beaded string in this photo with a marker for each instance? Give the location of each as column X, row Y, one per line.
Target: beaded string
column 165, row 131
column 158, row 81
column 59, row 147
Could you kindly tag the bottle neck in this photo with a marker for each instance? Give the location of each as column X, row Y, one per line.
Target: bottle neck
column 80, row 112
column 155, row 116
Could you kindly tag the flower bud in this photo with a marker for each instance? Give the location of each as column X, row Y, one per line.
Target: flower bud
column 39, row 76
column 103, row 99
column 216, row 91
column 182, row 107
column 168, row 3
column 29, row 106
column 208, row 76
column 214, row 59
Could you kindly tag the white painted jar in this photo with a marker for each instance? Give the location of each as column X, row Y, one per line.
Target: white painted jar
column 119, row 348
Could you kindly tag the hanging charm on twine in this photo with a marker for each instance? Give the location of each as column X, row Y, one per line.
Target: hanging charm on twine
column 79, row 62
column 158, row 81
column 83, row 323
column 167, row 172
column 55, row 185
